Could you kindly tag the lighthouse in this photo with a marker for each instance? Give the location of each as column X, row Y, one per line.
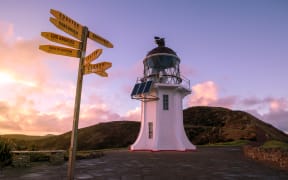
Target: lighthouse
column 161, row 91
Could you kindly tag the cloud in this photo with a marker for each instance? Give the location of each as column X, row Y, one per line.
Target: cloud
column 203, row 94
column 206, row 94
column 269, row 109
column 92, row 114
column 133, row 114
column 23, row 117
column 278, row 105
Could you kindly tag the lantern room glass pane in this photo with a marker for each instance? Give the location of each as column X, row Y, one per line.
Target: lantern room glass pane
column 161, row 62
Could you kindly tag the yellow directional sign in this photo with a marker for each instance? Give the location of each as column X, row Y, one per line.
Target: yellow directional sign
column 91, row 57
column 62, row 17
column 98, row 68
column 102, row 73
column 60, row 50
column 62, row 39
column 100, row 40
column 67, row 27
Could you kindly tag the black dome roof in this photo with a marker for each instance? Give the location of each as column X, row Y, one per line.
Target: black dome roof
column 161, row 47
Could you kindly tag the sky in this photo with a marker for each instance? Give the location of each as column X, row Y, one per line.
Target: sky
column 235, row 54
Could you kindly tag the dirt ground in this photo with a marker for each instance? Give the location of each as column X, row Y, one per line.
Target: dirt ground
column 205, row 163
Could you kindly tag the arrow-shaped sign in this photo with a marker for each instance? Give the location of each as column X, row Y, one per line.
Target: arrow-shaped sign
column 91, row 57
column 100, row 40
column 62, row 17
column 62, row 39
column 97, row 68
column 60, row 50
column 102, row 73
column 67, row 27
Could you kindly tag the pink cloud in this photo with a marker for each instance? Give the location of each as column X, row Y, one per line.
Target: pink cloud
column 24, row 118
column 206, row 94
column 92, row 114
column 277, row 105
column 203, row 94
column 133, row 114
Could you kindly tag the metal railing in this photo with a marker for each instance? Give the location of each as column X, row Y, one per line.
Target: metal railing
column 166, row 79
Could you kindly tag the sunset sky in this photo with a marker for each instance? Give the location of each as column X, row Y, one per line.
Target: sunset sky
column 235, row 54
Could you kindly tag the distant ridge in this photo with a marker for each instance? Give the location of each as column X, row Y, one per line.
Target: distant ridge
column 25, row 137
column 203, row 125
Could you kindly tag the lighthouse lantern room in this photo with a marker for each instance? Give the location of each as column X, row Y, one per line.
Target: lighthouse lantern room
column 161, row 92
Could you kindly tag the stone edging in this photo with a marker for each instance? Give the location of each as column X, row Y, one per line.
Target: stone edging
column 22, row 158
column 276, row 156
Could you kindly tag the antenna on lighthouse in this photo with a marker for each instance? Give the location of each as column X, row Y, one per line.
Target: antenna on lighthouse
column 159, row 41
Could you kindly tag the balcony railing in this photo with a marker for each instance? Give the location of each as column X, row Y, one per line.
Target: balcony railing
column 167, row 79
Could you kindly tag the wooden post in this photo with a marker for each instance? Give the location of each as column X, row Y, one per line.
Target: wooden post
column 74, row 135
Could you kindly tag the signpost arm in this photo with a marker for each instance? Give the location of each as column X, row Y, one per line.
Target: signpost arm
column 74, row 135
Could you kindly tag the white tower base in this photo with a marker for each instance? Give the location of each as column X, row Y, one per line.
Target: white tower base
column 162, row 120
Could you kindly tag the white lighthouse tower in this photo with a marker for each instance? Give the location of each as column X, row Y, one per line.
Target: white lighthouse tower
column 161, row 91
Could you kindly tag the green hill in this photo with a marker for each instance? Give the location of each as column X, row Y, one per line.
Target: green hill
column 203, row 125
column 215, row 124
column 104, row 135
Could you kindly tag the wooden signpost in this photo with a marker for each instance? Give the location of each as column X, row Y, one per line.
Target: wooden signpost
column 81, row 33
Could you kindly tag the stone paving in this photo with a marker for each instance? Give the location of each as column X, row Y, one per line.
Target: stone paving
column 205, row 163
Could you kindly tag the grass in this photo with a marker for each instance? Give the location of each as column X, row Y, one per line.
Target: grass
column 275, row 144
column 230, row 143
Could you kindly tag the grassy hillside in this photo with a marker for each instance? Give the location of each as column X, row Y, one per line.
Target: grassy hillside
column 203, row 125
column 104, row 135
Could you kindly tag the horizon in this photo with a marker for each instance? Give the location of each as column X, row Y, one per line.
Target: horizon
column 233, row 53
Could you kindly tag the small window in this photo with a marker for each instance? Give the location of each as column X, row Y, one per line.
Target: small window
column 165, row 102
column 150, row 130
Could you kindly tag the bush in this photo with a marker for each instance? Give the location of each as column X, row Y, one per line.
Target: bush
column 5, row 153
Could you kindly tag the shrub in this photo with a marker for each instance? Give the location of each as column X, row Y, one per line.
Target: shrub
column 5, row 153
